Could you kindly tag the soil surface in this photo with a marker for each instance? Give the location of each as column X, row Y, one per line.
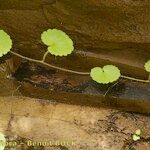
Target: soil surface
column 80, row 128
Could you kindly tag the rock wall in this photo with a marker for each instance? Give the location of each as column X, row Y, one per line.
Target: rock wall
column 93, row 129
column 103, row 27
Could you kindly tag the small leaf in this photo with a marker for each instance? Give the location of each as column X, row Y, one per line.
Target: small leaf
column 138, row 132
column 147, row 66
column 135, row 137
column 105, row 75
column 2, row 141
column 5, row 43
column 58, row 42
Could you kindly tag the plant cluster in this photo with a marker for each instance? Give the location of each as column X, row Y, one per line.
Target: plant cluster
column 60, row 44
column 137, row 135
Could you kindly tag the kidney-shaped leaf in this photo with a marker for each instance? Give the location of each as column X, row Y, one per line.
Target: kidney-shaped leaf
column 58, row 42
column 5, row 43
column 105, row 75
column 147, row 66
column 135, row 137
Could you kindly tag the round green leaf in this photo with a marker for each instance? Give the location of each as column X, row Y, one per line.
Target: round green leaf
column 3, row 141
column 105, row 75
column 135, row 137
column 58, row 42
column 147, row 66
column 5, row 43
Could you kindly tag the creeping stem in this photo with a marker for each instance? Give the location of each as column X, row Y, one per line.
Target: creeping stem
column 134, row 79
column 70, row 71
column 49, row 65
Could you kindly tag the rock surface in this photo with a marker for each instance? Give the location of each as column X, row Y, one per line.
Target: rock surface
column 84, row 128
column 106, row 31
column 89, row 22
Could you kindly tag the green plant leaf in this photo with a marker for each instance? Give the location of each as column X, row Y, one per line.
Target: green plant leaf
column 147, row 66
column 3, row 141
column 5, row 43
column 135, row 137
column 58, row 42
column 105, row 75
column 138, row 132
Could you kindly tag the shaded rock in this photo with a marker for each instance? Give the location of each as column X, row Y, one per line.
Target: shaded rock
column 115, row 32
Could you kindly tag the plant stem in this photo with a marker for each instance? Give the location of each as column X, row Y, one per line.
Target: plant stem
column 71, row 71
column 44, row 57
column 134, row 79
column 49, row 65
